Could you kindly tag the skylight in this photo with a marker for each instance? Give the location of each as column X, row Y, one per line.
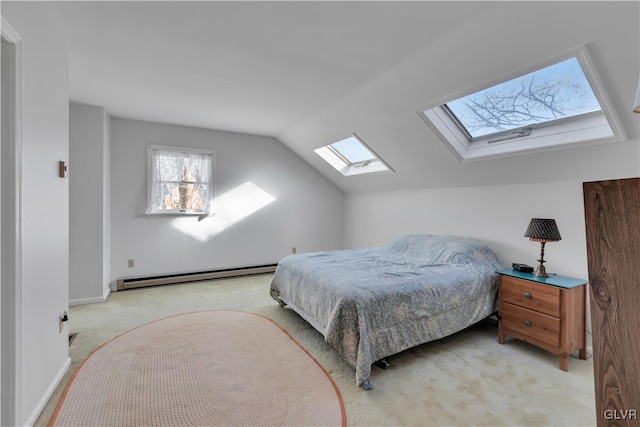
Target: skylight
column 352, row 150
column 552, row 106
column 351, row 156
column 560, row 91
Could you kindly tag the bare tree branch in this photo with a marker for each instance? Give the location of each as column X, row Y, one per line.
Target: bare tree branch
column 518, row 106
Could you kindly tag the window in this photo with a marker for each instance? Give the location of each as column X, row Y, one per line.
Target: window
column 180, row 180
column 351, row 156
column 553, row 106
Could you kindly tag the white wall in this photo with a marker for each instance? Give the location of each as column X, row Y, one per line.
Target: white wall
column 498, row 215
column 307, row 210
column 89, row 209
column 45, row 200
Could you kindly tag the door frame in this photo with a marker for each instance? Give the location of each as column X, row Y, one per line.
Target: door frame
column 11, row 232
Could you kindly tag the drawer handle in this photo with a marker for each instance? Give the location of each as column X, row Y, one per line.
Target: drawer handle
column 527, row 295
column 527, row 323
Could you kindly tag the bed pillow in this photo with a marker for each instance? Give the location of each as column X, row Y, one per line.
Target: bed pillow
column 435, row 249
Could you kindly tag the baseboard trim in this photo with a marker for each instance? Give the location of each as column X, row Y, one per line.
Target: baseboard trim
column 48, row 393
column 83, row 301
column 94, row 300
column 171, row 279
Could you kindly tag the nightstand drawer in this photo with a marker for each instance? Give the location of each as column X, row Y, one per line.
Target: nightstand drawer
column 531, row 324
column 538, row 297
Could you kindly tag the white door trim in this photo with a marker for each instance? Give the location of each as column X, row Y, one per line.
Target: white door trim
column 11, row 301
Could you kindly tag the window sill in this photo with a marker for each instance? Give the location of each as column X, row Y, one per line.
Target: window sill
column 177, row 213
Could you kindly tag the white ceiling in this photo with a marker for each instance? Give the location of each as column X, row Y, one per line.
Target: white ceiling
column 310, row 73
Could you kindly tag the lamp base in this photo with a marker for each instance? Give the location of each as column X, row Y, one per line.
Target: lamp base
column 541, row 271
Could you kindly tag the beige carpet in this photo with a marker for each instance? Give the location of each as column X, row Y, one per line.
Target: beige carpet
column 207, row 368
column 467, row 379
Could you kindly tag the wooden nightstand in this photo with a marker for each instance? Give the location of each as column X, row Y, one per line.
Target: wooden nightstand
column 548, row 312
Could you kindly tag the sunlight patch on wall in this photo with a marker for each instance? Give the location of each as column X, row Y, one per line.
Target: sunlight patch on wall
column 231, row 208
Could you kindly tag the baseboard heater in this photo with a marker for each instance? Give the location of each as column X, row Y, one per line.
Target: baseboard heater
column 171, row 279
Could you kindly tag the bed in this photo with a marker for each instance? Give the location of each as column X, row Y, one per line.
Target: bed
column 372, row 303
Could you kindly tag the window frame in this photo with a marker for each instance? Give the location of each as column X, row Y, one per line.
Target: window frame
column 342, row 164
column 589, row 128
column 151, row 180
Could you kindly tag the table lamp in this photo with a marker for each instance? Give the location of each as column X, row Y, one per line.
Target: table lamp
column 542, row 230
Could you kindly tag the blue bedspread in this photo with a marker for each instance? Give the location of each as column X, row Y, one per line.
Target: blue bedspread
column 375, row 302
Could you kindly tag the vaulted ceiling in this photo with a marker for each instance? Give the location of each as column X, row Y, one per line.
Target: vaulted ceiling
column 311, row 73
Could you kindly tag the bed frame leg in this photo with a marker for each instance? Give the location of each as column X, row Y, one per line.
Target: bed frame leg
column 366, row 385
column 383, row 363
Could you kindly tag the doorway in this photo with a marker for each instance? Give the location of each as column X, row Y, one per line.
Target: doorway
column 10, row 248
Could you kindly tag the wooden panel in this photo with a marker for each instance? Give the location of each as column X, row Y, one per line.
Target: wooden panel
column 612, row 220
column 542, row 298
column 573, row 334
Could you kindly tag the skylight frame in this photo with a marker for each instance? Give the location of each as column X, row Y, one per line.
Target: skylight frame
column 590, row 128
column 340, row 162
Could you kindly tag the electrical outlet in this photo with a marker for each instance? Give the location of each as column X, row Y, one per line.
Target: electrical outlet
column 294, row 250
column 130, row 263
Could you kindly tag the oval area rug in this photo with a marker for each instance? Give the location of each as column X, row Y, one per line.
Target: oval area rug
column 207, row 368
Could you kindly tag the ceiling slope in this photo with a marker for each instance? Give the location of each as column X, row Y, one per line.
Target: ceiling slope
column 311, row 73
